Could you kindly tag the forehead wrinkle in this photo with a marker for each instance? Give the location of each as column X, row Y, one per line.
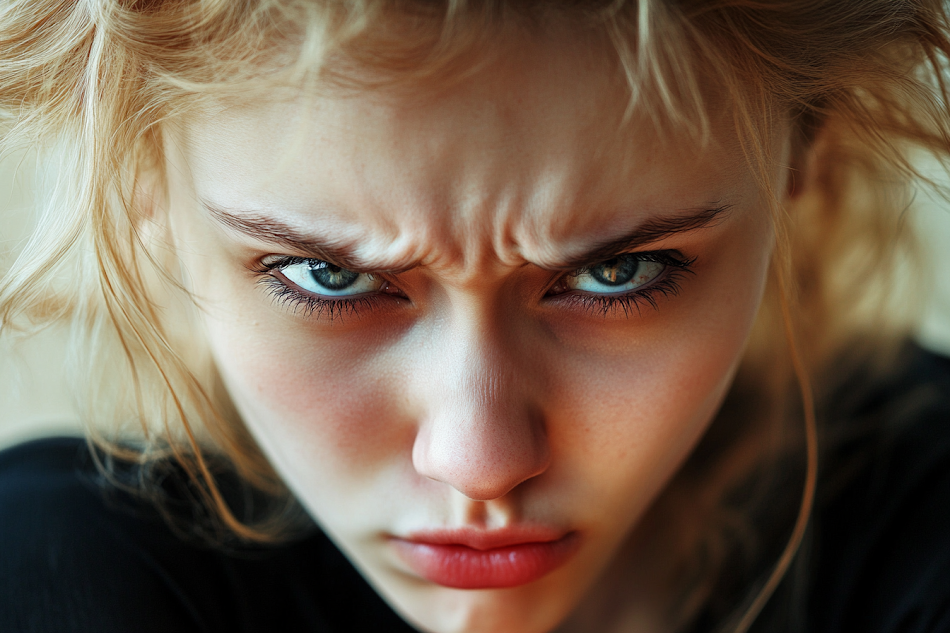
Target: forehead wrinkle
column 556, row 206
column 584, row 250
column 339, row 243
column 416, row 240
column 462, row 218
column 494, row 208
column 507, row 247
column 490, row 228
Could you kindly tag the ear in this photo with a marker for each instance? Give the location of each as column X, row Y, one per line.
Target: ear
column 150, row 191
column 807, row 141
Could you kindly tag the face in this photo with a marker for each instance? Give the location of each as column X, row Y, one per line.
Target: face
column 476, row 330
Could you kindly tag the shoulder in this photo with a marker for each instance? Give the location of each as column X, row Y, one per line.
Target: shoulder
column 77, row 559
column 73, row 563
column 880, row 553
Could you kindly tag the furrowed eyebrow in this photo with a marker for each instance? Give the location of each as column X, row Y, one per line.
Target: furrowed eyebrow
column 651, row 231
column 271, row 230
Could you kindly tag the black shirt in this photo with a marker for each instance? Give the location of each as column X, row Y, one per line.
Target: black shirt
column 74, row 559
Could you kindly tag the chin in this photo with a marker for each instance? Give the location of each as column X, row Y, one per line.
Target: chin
column 513, row 610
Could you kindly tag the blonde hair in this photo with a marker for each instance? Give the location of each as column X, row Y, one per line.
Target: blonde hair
column 93, row 82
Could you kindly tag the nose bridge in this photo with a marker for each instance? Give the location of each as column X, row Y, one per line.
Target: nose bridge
column 482, row 433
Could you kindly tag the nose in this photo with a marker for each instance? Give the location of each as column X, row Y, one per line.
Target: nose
column 482, row 433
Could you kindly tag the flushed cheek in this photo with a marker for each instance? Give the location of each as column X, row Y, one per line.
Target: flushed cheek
column 670, row 365
column 630, row 431
column 314, row 404
column 637, row 413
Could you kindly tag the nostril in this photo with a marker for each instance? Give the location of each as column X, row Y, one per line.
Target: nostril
column 481, row 460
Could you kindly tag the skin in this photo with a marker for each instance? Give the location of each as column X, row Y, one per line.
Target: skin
column 465, row 393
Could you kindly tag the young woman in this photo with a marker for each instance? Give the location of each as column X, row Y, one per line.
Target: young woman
column 479, row 316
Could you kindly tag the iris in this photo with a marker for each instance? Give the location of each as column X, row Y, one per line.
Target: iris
column 617, row 271
column 332, row 277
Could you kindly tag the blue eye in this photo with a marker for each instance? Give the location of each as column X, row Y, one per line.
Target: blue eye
column 326, row 279
column 622, row 283
column 618, row 275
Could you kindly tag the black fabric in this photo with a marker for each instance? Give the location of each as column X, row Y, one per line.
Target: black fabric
column 73, row 559
column 877, row 555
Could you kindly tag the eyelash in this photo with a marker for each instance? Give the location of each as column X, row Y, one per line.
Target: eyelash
column 667, row 285
column 310, row 305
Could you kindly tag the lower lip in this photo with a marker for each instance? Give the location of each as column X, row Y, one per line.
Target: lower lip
column 463, row 567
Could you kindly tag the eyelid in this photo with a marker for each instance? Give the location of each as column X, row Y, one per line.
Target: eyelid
column 271, row 263
column 672, row 257
column 667, row 284
column 332, row 307
column 276, row 262
column 291, row 295
column 669, row 257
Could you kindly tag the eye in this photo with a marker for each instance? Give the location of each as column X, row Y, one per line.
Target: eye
column 326, row 279
column 617, row 275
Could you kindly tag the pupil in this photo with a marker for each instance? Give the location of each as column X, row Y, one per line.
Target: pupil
column 617, row 271
column 333, row 277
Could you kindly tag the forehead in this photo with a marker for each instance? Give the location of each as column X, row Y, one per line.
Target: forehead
column 528, row 155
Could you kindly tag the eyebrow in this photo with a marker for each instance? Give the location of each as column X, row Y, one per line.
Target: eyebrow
column 649, row 232
column 268, row 229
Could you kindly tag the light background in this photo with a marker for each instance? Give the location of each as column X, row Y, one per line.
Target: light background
column 35, row 395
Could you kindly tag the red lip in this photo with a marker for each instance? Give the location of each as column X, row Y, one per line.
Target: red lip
column 478, row 559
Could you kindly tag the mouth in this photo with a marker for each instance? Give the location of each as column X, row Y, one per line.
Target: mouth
column 478, row 559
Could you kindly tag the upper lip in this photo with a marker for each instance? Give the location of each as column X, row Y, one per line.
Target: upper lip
column 482, row 539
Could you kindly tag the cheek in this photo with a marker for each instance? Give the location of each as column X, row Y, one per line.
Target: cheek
column 629, row 422
column 322, row 404
column 641, row 395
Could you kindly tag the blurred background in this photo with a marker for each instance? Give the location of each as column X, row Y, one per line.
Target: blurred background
column 35, row 394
